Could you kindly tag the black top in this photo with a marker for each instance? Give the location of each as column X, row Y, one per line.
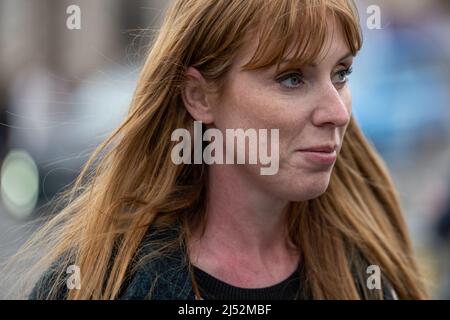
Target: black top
column 213, row 288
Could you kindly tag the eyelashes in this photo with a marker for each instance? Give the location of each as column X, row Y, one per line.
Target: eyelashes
column 345, row 75
column 293, row 80
column 285, row 79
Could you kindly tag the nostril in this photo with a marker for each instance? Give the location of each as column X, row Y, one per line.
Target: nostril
column 336, row 116
column 333, row 107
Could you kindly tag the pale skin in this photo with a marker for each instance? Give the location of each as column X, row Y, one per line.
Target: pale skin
column 245, row 242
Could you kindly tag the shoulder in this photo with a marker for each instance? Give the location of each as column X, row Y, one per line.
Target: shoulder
column 389, row 292
column 161, row 270
column 52, row 283
column 158, row 271
column 385, row 290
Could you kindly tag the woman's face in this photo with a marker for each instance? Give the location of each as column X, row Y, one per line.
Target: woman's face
column 310, row 106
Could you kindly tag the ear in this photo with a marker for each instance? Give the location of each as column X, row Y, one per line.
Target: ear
column 195, row 96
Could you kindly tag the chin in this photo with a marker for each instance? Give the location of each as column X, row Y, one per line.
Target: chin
column 309, row 187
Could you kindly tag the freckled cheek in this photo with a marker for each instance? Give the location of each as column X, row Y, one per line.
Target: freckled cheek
column 250, row 107
column 347, row 99
column 271, row 113
column 256, row 109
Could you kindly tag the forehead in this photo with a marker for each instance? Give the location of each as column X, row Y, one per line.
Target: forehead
column 333, row 47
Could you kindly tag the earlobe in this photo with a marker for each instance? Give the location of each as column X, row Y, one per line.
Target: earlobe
column 195, row 96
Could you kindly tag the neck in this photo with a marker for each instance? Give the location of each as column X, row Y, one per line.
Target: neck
column 243, row 222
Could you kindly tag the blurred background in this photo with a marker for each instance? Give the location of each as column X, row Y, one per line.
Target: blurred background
column 63, row 90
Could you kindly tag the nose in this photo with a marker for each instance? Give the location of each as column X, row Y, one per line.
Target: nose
column 331, row 108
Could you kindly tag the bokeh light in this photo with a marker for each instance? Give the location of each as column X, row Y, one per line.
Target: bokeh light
column 19, row 183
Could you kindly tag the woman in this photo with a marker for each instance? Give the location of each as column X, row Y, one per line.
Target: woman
column 141, row 226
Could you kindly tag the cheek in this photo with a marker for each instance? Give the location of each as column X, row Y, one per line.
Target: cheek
column 347, row 98
column 248, row 106
column 264, row 109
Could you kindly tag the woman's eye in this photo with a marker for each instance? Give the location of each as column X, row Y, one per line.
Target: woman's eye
column 342, row 76
column 291, row 80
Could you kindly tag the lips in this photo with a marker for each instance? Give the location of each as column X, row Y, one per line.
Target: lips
column 324, row 155
column 321, row 149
